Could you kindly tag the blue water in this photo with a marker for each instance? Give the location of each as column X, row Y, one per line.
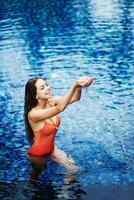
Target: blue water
column 62, row 41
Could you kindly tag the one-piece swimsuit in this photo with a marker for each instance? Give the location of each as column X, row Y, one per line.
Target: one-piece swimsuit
column 44, row 139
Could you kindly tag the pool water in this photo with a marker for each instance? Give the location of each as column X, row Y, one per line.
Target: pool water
column 62, row 41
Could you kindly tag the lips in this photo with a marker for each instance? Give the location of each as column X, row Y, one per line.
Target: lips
column 49, row 92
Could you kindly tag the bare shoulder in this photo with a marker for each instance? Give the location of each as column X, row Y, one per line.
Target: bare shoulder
column 31, row 113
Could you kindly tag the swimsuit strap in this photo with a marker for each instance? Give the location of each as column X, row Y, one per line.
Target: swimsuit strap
column 52, row 120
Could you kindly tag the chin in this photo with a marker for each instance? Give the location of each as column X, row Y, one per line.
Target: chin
column 49, row 96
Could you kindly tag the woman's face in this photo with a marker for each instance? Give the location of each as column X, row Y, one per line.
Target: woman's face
column 43, row 90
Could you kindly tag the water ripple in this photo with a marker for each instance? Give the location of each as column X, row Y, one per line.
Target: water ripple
column 93, row 38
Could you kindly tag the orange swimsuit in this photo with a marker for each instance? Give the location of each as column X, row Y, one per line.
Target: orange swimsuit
column 44, row 139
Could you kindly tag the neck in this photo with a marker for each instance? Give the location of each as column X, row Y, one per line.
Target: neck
column 42, row 103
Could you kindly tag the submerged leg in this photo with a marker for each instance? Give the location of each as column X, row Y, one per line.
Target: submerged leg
column 38, row 163
column 60, row 157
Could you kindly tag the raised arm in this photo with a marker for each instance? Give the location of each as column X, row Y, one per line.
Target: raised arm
column 77, row 95
column 42, row 114
column 83, row 82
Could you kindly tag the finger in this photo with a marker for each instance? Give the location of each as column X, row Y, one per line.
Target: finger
column 89, row 82
column 86, row 82
column 82, row 84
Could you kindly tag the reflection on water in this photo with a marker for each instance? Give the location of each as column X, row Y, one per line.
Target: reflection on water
column 69, row 189
column 69, row 39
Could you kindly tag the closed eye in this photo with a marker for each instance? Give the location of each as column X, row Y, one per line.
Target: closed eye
column 42, row 87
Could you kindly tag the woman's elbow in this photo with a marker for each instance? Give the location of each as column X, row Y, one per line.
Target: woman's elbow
column 74, row 100
column 78, row 98
column 61, row 108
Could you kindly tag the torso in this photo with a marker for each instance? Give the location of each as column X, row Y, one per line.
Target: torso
column 44, row 133
column 38, row 125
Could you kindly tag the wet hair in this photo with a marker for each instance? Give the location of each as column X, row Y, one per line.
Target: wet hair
column 30, row 102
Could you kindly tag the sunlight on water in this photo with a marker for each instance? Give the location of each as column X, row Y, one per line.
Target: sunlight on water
column 105, row 10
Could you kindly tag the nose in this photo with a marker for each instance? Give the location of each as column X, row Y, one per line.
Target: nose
column 48, row 87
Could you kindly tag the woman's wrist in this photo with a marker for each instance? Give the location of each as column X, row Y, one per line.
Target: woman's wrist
column 75, row 85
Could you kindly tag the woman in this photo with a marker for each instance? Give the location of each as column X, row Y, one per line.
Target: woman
column 41, row 111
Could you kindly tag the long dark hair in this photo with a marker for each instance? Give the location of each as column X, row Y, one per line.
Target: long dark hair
column 30, row 102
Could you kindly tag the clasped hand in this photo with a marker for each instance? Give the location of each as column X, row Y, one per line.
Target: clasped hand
column 84, row 81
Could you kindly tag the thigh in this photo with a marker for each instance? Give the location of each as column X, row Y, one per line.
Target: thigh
column 59, row 156
column 37, row 162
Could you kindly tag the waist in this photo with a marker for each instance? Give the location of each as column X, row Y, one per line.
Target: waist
column 40, row 150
